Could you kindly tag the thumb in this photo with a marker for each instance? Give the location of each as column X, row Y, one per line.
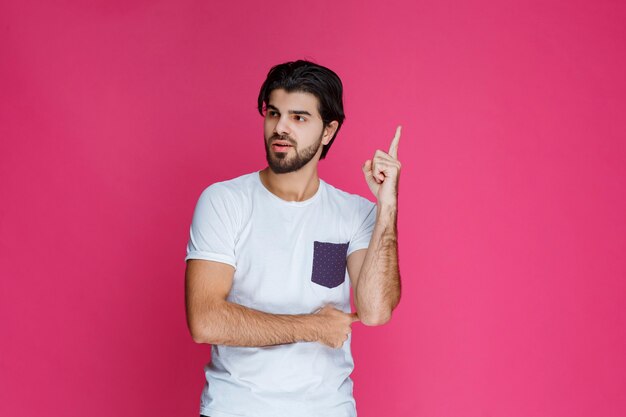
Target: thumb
column 367, row 169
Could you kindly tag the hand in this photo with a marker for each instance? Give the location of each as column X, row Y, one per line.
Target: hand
column 334, row 326
column 382, row 172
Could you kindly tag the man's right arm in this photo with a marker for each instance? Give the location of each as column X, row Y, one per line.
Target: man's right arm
column 212, row 319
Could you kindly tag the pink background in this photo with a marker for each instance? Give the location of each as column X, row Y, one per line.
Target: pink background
column 114, row 116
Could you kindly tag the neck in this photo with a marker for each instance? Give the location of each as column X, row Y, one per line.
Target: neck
column 292, row 186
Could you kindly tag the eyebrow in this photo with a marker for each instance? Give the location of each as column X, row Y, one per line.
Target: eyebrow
column 269, row 106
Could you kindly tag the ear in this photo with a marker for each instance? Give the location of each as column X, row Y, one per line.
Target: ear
column 329, row 131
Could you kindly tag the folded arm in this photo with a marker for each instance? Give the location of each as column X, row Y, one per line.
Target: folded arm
column 212, row 319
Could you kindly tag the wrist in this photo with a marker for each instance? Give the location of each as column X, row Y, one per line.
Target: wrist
column 310, row 328
column 387, row 211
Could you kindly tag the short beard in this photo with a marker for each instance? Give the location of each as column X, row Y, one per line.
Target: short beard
column 281, row 163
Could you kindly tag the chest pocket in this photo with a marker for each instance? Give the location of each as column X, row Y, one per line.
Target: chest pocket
column 329, row 263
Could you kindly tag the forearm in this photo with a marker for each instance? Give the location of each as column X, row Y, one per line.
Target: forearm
column 378, row 287
column 226, row 323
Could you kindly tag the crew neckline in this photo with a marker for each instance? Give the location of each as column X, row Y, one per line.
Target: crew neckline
column 291, row 203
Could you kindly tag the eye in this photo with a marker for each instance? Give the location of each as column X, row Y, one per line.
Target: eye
column 300, row 118
column 272, row 113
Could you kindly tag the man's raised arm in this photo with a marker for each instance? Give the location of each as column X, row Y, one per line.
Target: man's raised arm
column 374, row 272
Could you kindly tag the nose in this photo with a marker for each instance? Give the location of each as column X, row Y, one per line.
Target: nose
column 282, row 126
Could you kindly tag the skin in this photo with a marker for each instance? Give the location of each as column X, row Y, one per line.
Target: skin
column 374, row 274
column 306, row 131
column 377, row 283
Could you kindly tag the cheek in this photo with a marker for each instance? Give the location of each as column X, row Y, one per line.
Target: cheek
column 268, row 126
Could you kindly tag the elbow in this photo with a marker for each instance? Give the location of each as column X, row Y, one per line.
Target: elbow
column 198, row 335
column 202, row 327
column 204, row 337
column 196, row 330
column 199, row 338
column 377, row 316
column 202, row 334
column 378, row 319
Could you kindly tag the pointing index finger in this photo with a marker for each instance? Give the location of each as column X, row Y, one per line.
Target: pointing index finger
column 393, row 149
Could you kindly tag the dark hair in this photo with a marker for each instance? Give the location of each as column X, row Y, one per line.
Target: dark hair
column 307, row 77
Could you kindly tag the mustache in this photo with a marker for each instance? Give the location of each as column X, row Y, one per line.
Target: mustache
column 282, row 137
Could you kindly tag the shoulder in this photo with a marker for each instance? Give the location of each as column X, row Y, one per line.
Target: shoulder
column 347, row 199
column 233, row 190
column 355, row 209
column 227, row 200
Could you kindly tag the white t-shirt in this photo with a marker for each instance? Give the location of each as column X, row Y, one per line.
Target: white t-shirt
column 289, row 258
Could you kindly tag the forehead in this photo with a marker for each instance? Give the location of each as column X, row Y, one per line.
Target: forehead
column 293, row 101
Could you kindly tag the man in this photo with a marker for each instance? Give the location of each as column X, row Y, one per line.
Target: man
column 268, row 257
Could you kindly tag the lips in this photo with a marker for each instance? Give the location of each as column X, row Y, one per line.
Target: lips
column 281, row 143
column 280, row 148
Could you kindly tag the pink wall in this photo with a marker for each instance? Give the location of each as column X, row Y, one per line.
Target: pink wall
column 114, row 116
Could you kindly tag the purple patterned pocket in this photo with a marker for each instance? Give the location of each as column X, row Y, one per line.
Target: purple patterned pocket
column 329, row 263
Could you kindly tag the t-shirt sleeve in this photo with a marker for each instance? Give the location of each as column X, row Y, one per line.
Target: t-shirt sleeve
column 365, row 221
column 213, row 227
